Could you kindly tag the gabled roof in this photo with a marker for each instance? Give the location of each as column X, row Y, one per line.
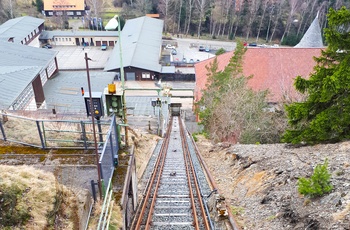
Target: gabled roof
column 141, row 41
column 13, row 81
column 313, row 37
column 19, row 65
column 22, row 55
column 272, row 68
column 19, row 28
column 69, row 33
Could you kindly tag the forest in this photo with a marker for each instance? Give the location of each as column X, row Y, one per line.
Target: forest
column 264, row 21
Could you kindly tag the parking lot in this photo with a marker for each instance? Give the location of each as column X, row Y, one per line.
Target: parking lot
column 188, row 48
column 73, row 57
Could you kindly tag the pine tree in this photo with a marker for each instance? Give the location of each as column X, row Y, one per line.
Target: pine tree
column 318, row 184
column 325, row 115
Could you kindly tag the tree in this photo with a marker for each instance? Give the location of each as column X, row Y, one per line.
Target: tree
column 325, row 114
column 39, row 5
column 318, row 184
column 230, row 110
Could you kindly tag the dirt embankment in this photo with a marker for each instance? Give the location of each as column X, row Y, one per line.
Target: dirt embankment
column 260, row 181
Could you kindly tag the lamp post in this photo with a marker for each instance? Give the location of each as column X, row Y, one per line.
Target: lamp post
column 125, row 120
column 93, row 126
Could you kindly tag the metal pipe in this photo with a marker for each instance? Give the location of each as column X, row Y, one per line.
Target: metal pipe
column 125, row 119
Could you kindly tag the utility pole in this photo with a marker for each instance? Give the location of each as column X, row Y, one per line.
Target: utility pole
column 125, row 119
column 93, row 126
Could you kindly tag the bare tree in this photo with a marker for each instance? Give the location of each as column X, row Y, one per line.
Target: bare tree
column 201, row 6
column 96, row 6
column 294, row 4
column 262, row 18
column 143, row 6
column 163, row 9
column 253, row 9
column 189, row 8
column 278, row 15
column 179, row 16
column 9, row 7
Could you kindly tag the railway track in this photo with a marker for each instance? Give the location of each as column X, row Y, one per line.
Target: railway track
column 173, row 198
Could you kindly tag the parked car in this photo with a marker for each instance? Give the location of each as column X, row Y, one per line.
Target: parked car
column 201, row 48
column 207, row 49
column 191, row 61
column 47, row 46
column 103, row 47
column 169, row 46
column 184, row 60
column 253, row 44
column 173, row 52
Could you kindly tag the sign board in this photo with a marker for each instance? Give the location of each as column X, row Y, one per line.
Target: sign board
column 97, row 104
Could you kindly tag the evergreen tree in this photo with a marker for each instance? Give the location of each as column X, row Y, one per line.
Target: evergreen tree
column 230, row 110
column 318, row 184
column 325, row 115
column 39, row 5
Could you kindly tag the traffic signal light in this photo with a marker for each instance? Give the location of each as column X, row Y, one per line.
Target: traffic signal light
column 114, row 104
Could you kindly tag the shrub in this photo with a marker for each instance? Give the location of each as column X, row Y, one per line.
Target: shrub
column 220, row 51
column 12, row 214
column 318, row 184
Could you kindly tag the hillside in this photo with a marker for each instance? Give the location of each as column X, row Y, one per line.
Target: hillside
column 33, row 199
column 260, row 182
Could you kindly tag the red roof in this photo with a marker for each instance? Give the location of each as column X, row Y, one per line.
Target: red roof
column 272, row 68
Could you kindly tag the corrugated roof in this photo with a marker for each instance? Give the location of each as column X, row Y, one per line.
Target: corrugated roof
column 19, row 28
column 69, row 33
column 141, row 41
column 19, row 64
column 13, row 80
column 272, row 68
column 18, row 55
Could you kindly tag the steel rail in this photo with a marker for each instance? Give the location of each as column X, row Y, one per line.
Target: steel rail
column 212, row 181
column 191, row 166
column 195, row 218
column 160, row 160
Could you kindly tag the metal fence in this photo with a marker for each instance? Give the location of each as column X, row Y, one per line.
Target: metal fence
column 109, row 156
column 46, row 134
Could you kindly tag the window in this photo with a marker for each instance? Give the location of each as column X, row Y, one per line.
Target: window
column 146, row 75
column 56, row 39
column 70, row 39
column 51, row 13
column 78, row 13
column 66, row 39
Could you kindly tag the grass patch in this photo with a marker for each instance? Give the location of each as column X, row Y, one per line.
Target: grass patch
column 33, row 199
column 236, row 210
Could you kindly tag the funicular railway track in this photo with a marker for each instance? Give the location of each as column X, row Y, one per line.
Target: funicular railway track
column 173, row 198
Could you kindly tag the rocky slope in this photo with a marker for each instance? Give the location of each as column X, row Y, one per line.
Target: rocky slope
column 260, row 182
